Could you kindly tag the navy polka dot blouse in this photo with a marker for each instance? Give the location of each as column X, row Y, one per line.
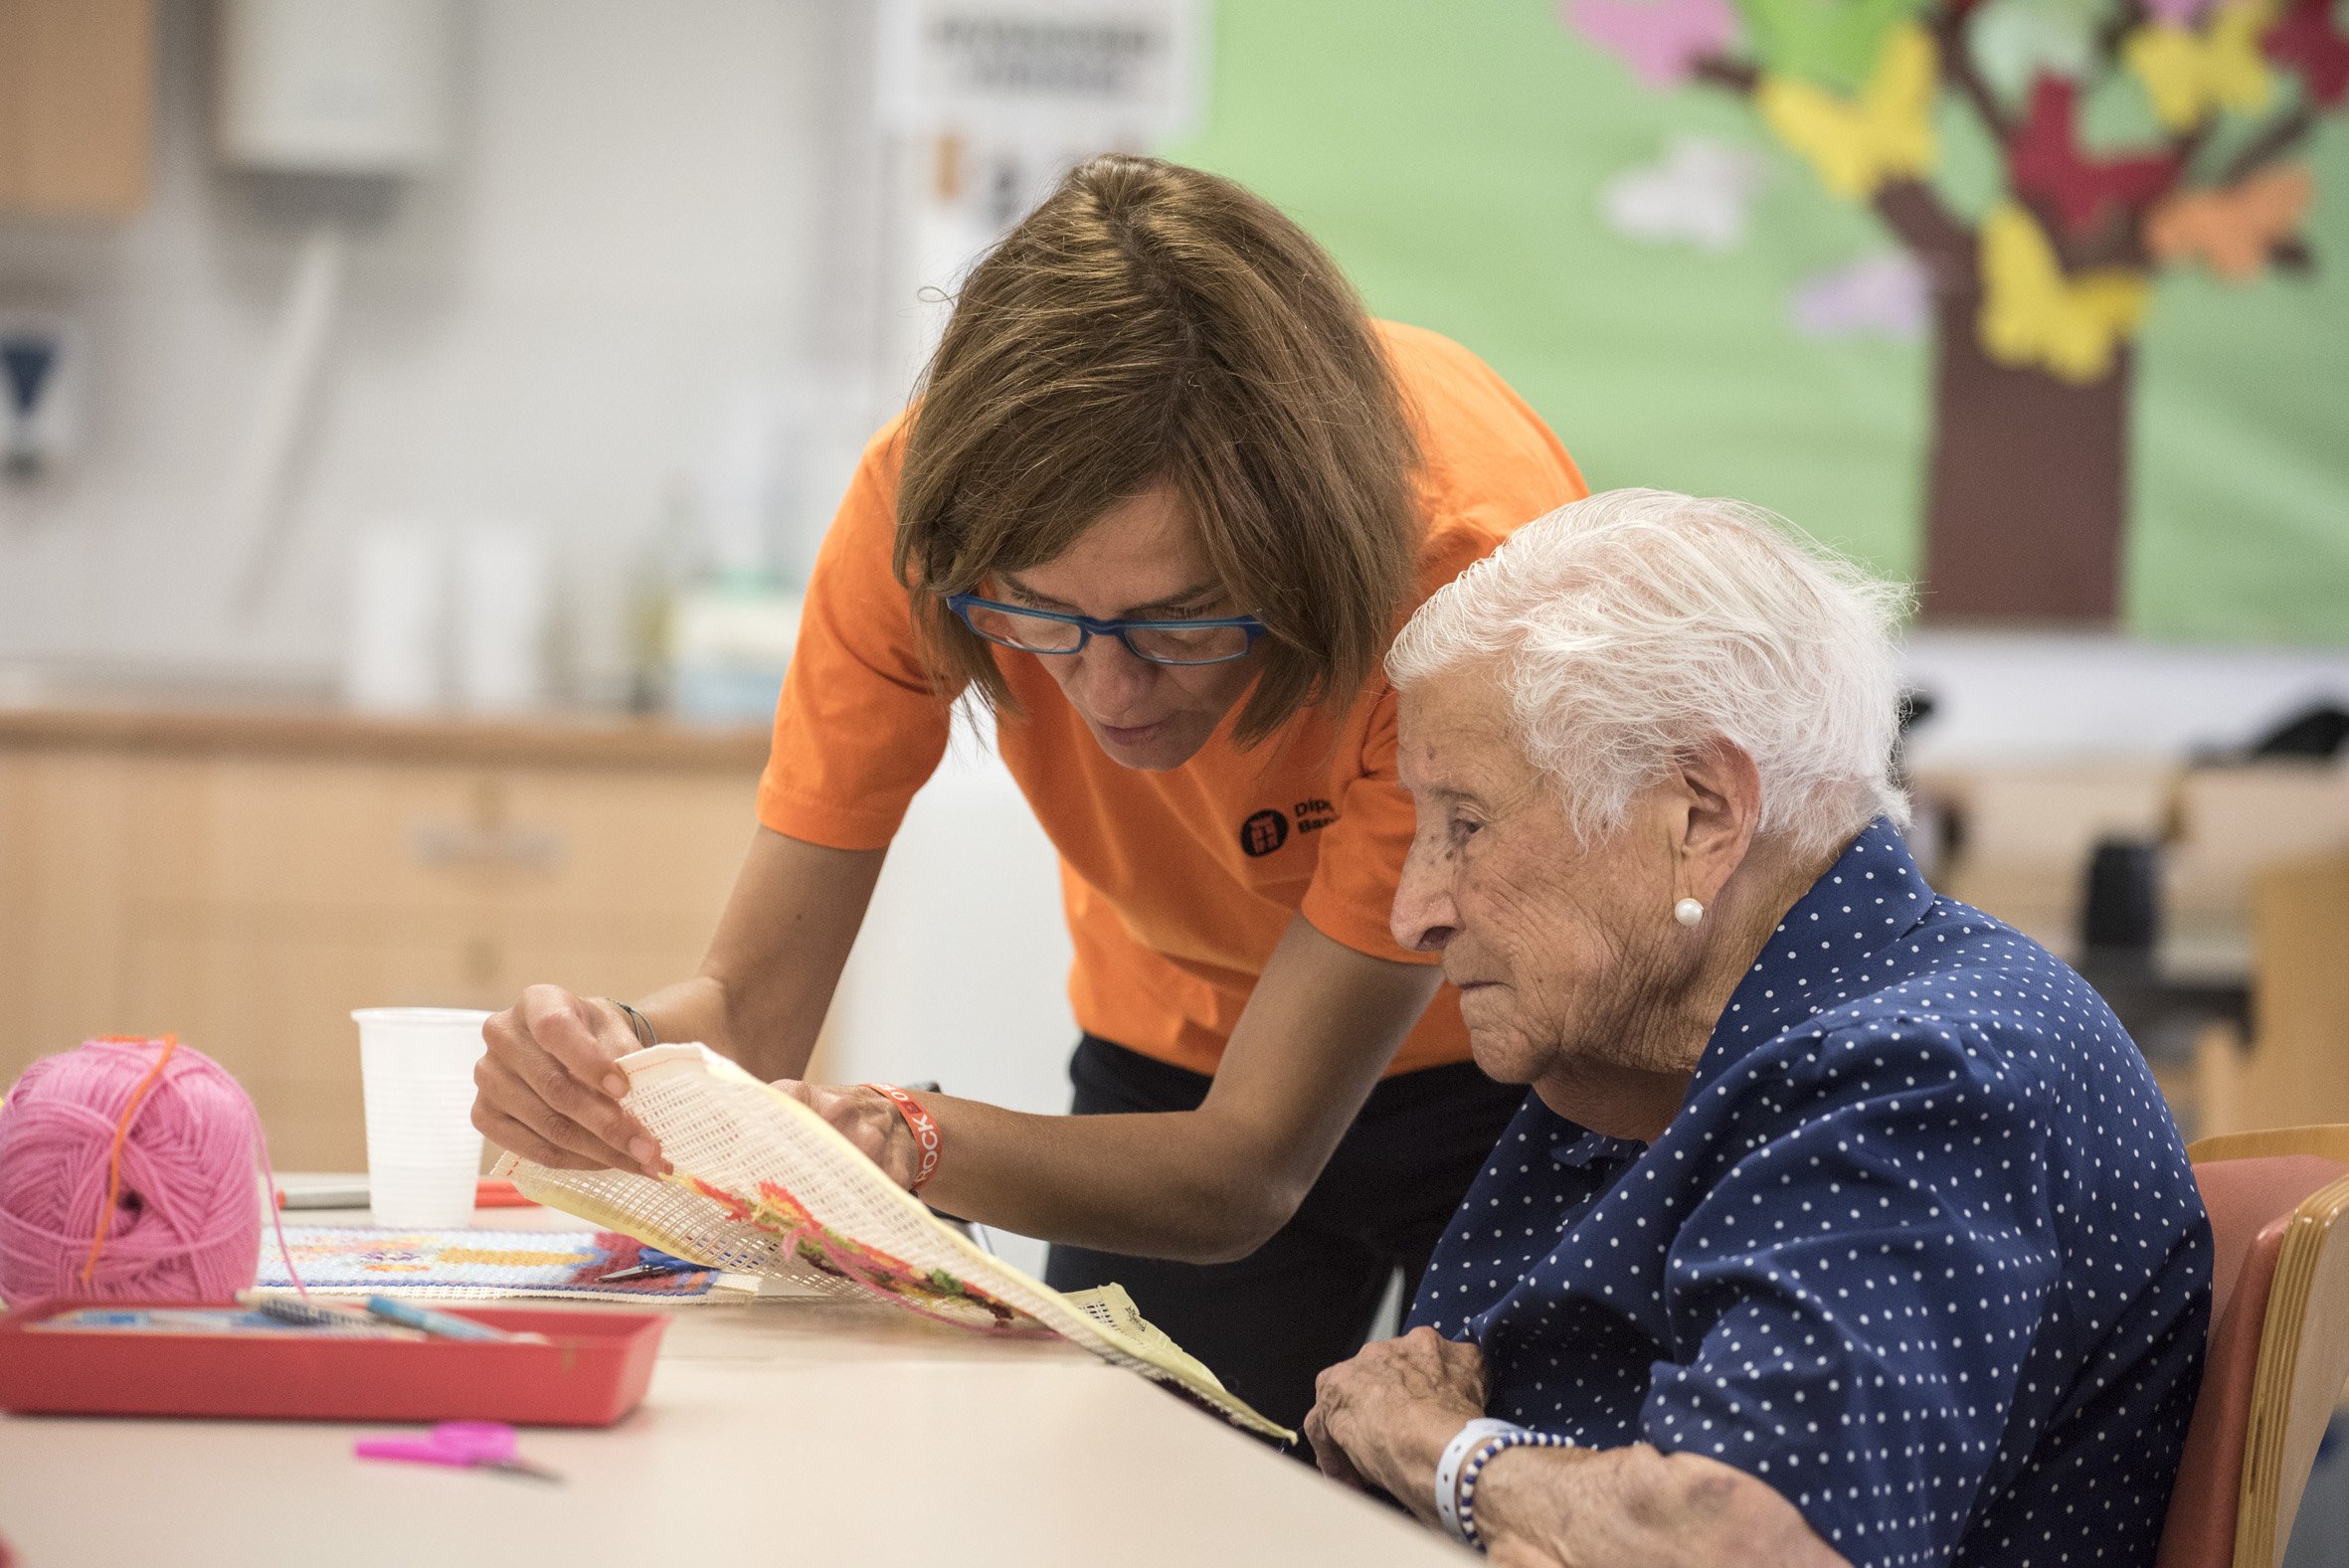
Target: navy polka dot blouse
column 1920, row 1249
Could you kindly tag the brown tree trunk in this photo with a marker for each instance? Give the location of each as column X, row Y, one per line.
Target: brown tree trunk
column 2029, row 498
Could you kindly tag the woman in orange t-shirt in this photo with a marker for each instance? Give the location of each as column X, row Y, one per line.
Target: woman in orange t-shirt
column 1165, row 495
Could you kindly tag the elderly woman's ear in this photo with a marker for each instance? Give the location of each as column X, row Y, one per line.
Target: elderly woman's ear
column 1711, row 804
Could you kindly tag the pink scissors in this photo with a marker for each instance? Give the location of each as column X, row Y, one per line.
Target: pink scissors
column 465, row 1444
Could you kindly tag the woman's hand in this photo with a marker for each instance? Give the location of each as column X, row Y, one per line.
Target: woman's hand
column 1382, row 1419
column 866, row 1119
column 547, row 1088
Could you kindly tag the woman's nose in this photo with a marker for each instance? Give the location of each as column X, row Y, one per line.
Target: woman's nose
column 1109, row 678
column 1423, row 919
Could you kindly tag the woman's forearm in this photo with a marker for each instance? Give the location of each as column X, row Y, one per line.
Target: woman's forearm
column 776, row 959
column 1392, row 1410
column 1211, row 1184
column 1176, row 1184
column 691, row 1009
column 1571, row 1506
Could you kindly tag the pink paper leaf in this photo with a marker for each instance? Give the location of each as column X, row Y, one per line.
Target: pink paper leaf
column 1662, row 40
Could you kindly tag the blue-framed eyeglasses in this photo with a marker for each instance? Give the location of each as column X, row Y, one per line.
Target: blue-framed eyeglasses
column 1153, row 641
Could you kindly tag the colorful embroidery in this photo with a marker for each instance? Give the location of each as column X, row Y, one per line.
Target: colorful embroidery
column 933, row 1292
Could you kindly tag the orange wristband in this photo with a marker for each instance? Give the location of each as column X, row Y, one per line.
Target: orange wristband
column 923, row 1124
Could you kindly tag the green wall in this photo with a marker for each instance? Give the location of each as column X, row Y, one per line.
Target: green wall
column 1451, row 153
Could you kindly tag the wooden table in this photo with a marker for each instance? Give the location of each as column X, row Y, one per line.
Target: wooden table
column 786, row 1431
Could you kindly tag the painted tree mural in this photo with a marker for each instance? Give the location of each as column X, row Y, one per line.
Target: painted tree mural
column 2127, row 136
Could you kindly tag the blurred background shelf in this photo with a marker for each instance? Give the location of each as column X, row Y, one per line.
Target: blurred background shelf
column 246, row 879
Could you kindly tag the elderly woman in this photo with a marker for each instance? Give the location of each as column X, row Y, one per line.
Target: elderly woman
column 1843, row 1223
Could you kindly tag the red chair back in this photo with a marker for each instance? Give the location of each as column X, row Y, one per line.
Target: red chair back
column 2251, row 1203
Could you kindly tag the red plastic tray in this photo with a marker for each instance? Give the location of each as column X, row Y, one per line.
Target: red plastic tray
column 591, row 1372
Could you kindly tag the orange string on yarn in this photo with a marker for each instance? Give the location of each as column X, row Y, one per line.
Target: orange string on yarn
column 138, row 1097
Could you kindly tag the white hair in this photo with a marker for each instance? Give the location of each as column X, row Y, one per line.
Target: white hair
column 1631, row 628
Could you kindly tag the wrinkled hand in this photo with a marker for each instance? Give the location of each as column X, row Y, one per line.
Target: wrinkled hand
column 547, row 1088
column 867, row 1118
column 1382, row 1419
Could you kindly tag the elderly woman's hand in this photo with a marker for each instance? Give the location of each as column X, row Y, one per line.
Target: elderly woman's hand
column 1382, row 1419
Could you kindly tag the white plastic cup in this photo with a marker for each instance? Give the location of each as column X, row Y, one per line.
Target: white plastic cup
column 423, row 1154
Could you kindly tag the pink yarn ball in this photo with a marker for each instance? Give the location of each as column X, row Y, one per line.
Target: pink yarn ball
column 187, row 1219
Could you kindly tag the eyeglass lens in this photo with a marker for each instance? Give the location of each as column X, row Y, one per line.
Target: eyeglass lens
column 1162, row 644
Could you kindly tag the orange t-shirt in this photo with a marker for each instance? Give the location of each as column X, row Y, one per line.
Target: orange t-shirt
column 1178, row 884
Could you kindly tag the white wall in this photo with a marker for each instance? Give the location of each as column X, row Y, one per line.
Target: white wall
column 643, row 222
column 2048, row 696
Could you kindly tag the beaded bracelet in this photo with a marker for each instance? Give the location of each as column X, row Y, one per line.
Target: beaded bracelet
column 1447, row 1469
column 1483, row 1455
column 923, row 1126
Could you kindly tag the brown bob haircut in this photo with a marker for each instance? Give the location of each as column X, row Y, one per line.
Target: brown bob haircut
column 1152, row 323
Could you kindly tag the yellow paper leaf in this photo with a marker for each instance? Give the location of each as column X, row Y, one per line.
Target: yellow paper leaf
column 2033, row 315
column 1856, row 144
column 2191, row 76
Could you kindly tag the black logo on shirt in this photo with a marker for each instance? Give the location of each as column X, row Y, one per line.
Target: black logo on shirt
column 1268, row 829
column 1263, row 832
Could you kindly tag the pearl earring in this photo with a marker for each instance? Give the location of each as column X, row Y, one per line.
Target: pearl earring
column 1688, row 912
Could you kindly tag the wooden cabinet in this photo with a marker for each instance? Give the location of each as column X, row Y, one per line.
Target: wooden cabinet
column 77, row 84
column 247, row 883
